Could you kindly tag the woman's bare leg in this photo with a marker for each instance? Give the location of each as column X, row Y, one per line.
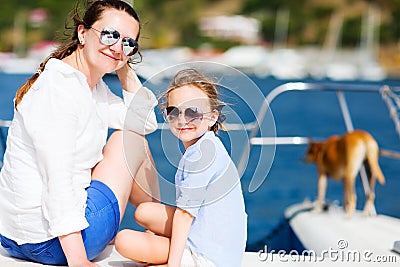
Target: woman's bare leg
column 145, row 186
column 122, row 148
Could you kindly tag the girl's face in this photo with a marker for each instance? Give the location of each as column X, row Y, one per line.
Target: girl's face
column 108, row 58
column 188, row 99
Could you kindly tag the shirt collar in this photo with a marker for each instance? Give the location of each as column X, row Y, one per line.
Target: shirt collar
column 62, row 66
column 207, row 135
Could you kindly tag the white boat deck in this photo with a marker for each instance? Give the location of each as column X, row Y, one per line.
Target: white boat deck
column 334, row 240
column 111, row 258
column 251, row 259
column 357, row 239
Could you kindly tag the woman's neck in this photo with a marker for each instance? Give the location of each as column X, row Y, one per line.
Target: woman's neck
column 77, row 61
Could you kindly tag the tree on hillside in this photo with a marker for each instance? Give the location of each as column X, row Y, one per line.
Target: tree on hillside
column 172, row 22
column 16, row 14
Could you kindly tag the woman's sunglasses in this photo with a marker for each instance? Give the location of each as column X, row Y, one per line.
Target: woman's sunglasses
column 191, row 114
column 109, row 36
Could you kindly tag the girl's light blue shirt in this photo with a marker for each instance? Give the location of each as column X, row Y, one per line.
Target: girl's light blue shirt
column 208, row 187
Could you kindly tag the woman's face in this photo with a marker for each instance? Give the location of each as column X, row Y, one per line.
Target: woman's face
column 108, row 58
column 190, row 97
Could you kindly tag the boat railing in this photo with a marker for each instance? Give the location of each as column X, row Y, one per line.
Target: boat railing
column 389, row 95
column 392, row 99
column 393, row 103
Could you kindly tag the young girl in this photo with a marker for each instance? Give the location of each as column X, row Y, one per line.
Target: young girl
column 208, row 225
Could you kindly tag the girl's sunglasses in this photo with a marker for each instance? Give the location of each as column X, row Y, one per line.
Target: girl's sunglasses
column 191, row 114
column 109, row 36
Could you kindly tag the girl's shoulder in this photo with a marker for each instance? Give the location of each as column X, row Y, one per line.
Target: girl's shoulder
column 208, row 148
column 207, row 143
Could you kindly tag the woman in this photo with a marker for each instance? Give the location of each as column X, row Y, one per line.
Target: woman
column 62, row 196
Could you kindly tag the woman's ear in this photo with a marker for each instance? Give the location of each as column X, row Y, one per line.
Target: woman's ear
column 81, row 34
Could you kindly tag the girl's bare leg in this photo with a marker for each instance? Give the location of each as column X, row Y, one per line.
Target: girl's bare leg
column 142, row 247
column 155, row 217
column 148, row 247
column 113, row 170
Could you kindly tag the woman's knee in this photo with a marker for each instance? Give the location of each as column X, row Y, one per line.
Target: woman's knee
column 127, row 141
column 115, row 140
column 134, row 140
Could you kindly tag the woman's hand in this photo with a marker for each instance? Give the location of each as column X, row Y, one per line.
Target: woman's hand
column 128, row 78
column 74, row 250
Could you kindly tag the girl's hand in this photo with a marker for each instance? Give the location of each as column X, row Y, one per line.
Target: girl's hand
column 128, row 78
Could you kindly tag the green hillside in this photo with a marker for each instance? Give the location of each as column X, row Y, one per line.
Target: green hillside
column 175, row 22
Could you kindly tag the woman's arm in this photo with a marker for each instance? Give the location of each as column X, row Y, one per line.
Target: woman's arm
column 74, row 250
column 136, row 112
column 180, row 231
column 52, row 128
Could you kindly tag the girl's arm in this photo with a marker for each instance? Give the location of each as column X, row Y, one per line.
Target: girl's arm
column 74, row 250
column 180, row 231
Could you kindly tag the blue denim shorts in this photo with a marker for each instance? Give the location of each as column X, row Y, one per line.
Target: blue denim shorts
column 102, row 214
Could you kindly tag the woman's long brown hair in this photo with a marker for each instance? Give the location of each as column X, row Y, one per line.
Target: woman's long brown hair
column 94, row 10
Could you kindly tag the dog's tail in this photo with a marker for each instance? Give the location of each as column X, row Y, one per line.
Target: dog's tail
column 372, row 158
column 389, row 153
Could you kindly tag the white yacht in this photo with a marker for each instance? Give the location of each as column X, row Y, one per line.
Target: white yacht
column 330, row 235
column 327, row 237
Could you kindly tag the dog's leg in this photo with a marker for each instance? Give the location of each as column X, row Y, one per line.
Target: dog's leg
column 350, row 197
column 370, row 197
column 374, row 173
column 322, row 183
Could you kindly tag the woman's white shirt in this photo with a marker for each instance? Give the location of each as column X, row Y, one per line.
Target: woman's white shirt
column 55, row 139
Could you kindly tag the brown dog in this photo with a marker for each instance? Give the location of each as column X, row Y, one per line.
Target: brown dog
column 341, row 157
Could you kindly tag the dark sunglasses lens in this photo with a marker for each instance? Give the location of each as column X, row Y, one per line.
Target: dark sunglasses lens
column 193, row 114
column 109, row 36
column 129, row 46
column 171, row 113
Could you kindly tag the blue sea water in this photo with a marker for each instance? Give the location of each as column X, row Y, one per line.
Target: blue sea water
column 288, row 180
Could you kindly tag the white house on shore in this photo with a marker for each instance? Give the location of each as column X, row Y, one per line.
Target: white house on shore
column 236, row 28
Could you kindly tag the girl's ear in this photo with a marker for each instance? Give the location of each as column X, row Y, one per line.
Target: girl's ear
column 213, row 118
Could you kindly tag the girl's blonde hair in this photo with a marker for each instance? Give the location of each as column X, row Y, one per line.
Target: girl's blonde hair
column 93, row 12
column 195, row 78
